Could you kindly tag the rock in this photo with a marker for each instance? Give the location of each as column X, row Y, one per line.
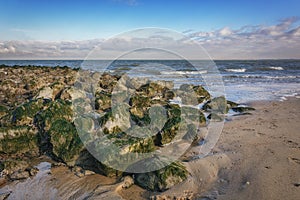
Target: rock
column 215, row 117
column 216, row 105
column 88, row 172
column 139, row 105
column 231, row 104
column 32, row 171
column 11, row 166
column 55, row 110
column 18, row 175
column 192, row 95
column 19, row 140
column 118, row 119
column 72, row 93
column 127, row 182
column 65, row 141
column 102, row 101
column 45, row 93
column 108, row 81
column 24, row 114
column 202, row 93
column 242, row 109
column 162, row 179
column 3, row 111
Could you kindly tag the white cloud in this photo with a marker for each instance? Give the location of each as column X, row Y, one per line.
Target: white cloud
column 281, row 40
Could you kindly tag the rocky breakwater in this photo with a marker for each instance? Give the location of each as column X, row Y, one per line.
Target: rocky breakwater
column 42, row 113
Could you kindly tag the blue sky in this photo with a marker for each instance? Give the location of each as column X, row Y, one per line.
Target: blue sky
column 58, row 20
column 79, row 20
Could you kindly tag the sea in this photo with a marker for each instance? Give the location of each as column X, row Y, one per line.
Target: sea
column 241, row 81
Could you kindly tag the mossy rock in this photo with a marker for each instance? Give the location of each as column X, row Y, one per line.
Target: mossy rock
column 19, row 140
column 139, row 105
column 216, row 105
column 57, row 109
column 65, row 141
column 102, row 101
column 202, row 93
column 24, row 114
column 13, row 165
column 152, row 89
column 118, row 116
column 242, row 109
column 215, row 117
column 231, row 104
column 3, row 111
column 108, row 82
column 171, row 127
column 162, row 179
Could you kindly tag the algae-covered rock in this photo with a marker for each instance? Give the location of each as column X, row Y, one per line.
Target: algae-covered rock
column 172, row 125
column 202, row 93
column 102, row 101
column 24, row 114
column 191, row 94
column 13, row 165
column 152, row 89
column 3, row 111
column 242, row 109
column 19, row 140
column 57, row 109
column 216, row 105
column 139, row 105
column 162, row 179
column 108, row 81
column 215, row 117
column 118, row 117
column 65, row 141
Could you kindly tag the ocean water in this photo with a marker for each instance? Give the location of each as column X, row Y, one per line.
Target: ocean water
column 240, row 80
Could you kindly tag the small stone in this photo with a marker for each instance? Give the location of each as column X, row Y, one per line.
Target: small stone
column 32, row 171
column 19, row 175
column 128, row 182
column 79, row 174
column 88, row 172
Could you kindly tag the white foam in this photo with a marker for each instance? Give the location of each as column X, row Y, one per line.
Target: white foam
column 184, row 72
column 236, row 70
column 276, row 68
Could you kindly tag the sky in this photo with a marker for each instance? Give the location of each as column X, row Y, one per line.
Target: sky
column 233, row 29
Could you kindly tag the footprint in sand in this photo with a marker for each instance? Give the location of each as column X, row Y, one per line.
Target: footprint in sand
column 295, row 160
column 292, row 144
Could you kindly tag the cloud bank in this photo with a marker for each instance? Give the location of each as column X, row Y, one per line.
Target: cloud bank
column 279, row 41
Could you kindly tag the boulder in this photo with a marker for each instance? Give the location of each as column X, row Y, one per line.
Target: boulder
column 216, row 105
column 66, row 144
column 162, row 179
column 24, row 114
